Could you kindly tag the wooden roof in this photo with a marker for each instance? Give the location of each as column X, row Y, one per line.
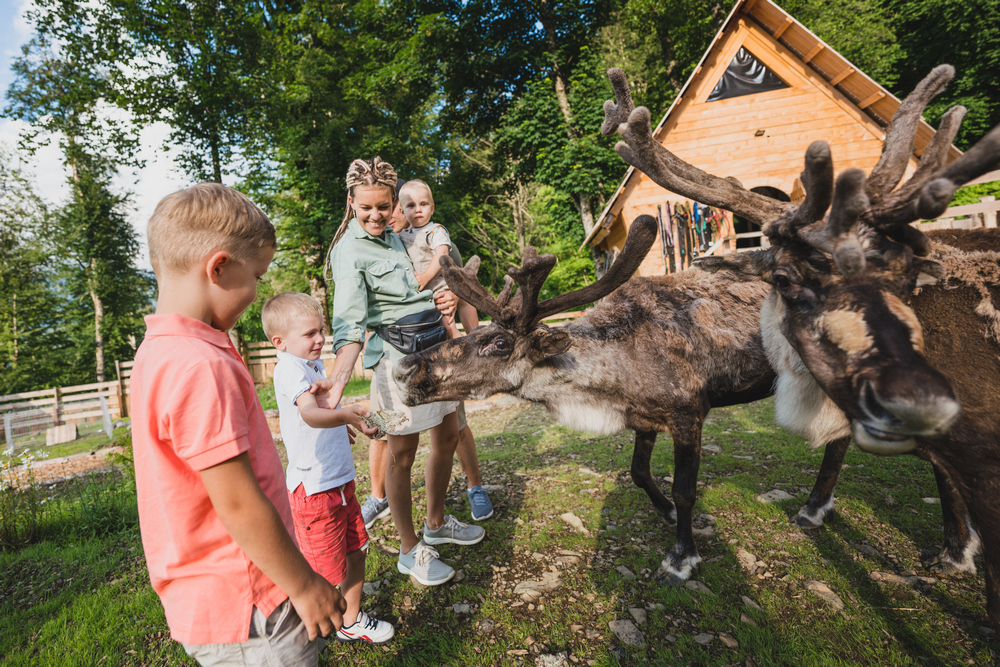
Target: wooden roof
column 861, row 92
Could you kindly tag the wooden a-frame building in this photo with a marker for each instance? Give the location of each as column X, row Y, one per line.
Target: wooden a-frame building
column 764, row 90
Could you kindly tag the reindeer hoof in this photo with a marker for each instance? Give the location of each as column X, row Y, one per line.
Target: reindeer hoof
column 807, row 522
column 676, row 569
column 943, row 565
column 670, row 580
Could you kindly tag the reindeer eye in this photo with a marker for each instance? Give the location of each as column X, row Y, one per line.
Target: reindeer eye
column 495, row 346
column 781, row 281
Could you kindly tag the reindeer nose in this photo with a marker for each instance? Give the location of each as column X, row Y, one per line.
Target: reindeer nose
column 915, row 401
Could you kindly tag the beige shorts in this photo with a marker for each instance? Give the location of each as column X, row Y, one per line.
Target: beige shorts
column 385, row 396
column 281, row 639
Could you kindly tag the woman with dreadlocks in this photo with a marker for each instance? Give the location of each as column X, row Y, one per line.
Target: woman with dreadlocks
column 376, row 289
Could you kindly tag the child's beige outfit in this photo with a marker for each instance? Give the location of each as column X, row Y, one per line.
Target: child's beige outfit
column 420, row 246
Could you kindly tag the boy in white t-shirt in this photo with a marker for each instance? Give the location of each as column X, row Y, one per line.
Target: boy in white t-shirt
column 426, row 243
column 320, row 473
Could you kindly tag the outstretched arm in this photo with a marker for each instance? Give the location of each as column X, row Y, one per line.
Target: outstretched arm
column 319, row 417
column 329, row 391
column 254, row 524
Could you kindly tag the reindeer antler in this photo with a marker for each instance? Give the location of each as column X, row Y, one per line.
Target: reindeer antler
column 649, row 156
column 523, row 312
column 877, row 202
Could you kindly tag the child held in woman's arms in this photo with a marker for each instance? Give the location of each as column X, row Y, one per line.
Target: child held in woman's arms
column 216, row 526
column 426, row 243
column 320, row 474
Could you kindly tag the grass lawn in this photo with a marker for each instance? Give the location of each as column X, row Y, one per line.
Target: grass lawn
column 89, row 602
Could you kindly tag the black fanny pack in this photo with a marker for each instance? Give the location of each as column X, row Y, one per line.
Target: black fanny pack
column 416, row 332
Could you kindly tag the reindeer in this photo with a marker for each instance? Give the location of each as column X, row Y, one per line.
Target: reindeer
column 915, row 369
column 656, row 355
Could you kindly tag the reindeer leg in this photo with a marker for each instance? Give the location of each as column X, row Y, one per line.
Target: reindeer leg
column 961, row 542
column 820, row 504
column 683, row 559
column 643, row 478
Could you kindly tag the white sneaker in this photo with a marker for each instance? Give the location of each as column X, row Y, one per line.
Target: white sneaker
column 453, row 531
column 367, row 629
column 423, row 564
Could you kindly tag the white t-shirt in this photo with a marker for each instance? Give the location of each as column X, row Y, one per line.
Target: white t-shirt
column 318, row 458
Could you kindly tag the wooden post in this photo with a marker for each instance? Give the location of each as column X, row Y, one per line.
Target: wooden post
column 55, row 406
column 122, row 410
column 989, row 217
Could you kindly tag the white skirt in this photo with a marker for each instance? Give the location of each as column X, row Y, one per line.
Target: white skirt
column 385, row 396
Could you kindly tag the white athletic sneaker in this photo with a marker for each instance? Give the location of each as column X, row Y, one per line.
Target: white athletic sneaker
column 424, row 565
column 367, row 629
column 453, row 531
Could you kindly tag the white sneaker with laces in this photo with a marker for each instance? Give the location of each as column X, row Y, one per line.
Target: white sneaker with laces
column 367, row 629
column 453, row 531
column 423, row 564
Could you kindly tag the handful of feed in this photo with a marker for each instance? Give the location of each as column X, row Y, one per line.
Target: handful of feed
column 386, row 421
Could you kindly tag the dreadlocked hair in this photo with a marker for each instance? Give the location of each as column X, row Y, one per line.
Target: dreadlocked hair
column 366, row 174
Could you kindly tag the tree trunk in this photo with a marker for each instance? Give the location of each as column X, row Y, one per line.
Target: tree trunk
column 98, row 321
column 13, row 356
column 216, row 163
column 318, row 291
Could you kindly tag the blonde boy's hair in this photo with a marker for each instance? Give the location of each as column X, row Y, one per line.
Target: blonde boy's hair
column 415, row 183
column 189, row 224
column 281, row 310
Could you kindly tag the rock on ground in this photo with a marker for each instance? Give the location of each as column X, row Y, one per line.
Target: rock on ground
column 774, row 496
column 823, row 591
column 627, row 633
column 557, row 660
column 575, row 522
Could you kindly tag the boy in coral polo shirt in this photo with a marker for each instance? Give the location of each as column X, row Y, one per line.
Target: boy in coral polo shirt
column 216, row 525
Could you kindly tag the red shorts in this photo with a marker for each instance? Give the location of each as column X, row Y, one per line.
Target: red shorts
column 328, row 526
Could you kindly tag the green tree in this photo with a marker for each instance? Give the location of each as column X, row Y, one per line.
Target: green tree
column 32, row 349
column 62, row 88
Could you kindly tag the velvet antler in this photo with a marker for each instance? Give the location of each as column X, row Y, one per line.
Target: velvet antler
column 649, row 156
column 523, row 312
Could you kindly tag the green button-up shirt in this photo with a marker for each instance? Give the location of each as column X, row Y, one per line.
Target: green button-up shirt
column 375, row 285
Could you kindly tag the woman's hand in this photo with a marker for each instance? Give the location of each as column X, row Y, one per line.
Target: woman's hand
column 446, row 302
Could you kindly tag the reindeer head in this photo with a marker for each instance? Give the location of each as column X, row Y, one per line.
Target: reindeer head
column 496, row 358
column 843, row 263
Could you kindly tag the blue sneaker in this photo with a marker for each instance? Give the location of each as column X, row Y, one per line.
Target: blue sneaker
column 482, row 508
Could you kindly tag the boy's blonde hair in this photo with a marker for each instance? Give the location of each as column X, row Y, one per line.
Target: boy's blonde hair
column 414, row 183
column 189, row 224
column 281, row 310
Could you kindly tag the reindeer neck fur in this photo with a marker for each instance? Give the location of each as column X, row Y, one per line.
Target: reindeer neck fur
column 654, row 348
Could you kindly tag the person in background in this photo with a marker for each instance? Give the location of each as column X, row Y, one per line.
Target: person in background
column 375, row 288
column 376, row 506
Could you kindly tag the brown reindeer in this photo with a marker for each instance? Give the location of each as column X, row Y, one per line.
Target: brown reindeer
column 916, row 370
column 656, row 355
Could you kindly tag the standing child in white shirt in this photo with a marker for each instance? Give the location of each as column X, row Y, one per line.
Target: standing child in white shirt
column 426, row 243
column 320, row 474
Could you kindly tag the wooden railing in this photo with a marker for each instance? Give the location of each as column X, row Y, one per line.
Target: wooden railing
column 32, row 415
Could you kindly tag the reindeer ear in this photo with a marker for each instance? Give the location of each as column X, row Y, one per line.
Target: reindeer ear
column 547, row 343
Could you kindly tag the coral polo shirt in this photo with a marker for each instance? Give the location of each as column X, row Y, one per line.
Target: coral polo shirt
column 193, row 407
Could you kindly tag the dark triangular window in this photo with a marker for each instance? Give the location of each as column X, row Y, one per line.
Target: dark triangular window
column 744, row 76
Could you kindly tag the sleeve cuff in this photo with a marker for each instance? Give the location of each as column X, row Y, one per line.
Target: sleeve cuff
column 220, row 453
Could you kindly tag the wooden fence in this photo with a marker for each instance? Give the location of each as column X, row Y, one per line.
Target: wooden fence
column 47, row 416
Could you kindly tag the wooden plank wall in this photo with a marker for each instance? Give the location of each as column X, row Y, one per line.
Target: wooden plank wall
column 720, row 137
